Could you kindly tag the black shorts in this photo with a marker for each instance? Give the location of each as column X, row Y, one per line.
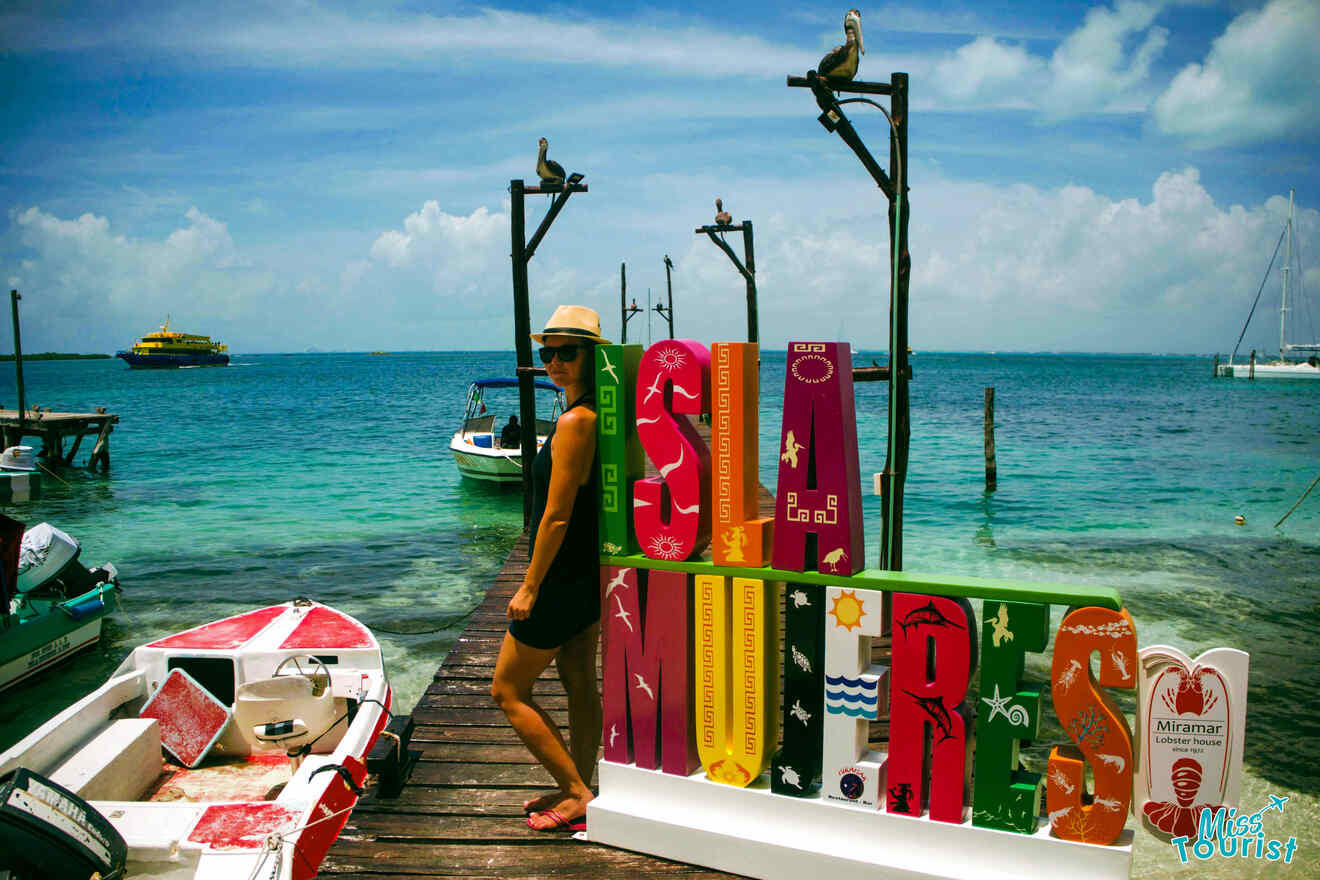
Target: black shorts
column 562, row 610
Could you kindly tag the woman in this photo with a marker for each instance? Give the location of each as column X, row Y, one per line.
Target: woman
column 555, row 614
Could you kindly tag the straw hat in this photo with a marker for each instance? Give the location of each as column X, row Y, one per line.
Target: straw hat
column 573, row 321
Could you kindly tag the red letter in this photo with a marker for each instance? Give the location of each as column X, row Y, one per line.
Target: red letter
column 671, row 515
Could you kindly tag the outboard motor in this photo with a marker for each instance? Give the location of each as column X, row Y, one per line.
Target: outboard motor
column 48, row 831
column 48, row 565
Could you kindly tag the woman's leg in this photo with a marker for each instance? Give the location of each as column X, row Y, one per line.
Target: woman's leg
column 515, row 673
column 577, row 670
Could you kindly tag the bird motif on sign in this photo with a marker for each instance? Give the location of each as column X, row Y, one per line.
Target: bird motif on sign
column 550, row 171
column 643, row 686
column 840, row 63
column 614, row 733
column 791, row 450
column 617, row 582
column 624, row 615
column 722, row 217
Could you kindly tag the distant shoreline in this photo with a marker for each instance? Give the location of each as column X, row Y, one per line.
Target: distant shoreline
column 58, row 356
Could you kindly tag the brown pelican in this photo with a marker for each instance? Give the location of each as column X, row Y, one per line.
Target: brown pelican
column 722, row 217
column 841, row 62
column 550, row 171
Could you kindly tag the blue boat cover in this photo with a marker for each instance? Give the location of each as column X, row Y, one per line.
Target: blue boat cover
column 513, row 383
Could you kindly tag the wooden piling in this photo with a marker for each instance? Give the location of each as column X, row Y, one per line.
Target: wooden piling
column 991, row 467
column 14, row 297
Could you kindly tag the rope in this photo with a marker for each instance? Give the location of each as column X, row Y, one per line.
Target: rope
column 1299, row 501
column 1258, row 293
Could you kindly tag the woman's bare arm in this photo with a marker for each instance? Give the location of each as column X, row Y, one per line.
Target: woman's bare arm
column 572, row 452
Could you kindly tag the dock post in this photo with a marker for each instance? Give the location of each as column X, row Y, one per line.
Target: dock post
column 522, row 340
column 623, row 302
column 1252, row 371
column 991, row 467
column 14, row 297
column 749, row 253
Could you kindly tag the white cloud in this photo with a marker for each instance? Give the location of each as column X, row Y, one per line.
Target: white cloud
column 1258, row 82
column 994, row 267
column 1094, row 69
column 986, row 70
column 85, row 284
column 1091, row 69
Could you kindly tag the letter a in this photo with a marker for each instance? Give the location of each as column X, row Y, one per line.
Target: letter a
column 820, row 491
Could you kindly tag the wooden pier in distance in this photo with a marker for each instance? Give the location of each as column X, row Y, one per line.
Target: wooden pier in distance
column 460, row 813
column 53, row 428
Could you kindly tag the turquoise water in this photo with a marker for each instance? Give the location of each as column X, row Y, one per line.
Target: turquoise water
column 328, row 475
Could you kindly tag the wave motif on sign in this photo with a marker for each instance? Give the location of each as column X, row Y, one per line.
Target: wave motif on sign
column 851, row 696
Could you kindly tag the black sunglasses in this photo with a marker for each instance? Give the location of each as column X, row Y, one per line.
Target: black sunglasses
column 567, row 353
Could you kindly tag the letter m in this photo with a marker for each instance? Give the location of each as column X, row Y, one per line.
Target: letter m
column 647, row 670
column 1211, row 825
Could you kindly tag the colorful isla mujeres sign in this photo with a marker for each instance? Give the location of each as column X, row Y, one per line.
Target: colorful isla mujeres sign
column 694, row 660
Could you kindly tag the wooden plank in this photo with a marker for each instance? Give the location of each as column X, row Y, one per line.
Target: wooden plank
column 560, row 856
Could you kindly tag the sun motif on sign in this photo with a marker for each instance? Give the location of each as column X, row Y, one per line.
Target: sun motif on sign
column 848, row 610
column 664, row 547
column 670, row 358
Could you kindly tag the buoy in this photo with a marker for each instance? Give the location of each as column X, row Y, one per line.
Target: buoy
column 1240, row 520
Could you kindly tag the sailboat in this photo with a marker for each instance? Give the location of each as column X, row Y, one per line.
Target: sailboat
column 1309, row 368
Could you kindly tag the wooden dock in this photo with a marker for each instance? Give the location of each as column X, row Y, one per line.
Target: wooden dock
column 53, row 428
column 460, row 814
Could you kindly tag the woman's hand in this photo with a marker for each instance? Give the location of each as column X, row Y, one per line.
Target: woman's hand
column 520, row 606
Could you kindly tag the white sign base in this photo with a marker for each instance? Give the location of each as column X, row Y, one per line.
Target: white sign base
column 754, row 832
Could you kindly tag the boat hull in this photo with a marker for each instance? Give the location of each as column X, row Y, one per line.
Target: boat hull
column 1268, row 371
column 252, row 802
column 37, row 645
column 173, row 361
column 487, row 464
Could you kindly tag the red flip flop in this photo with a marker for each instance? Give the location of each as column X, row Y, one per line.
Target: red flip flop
column 559, row 822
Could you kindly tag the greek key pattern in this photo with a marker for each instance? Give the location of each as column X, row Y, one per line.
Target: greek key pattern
column 724, row 433
column 751, row 608
column 609, row 490
column 827, row 517
column 609, row 409
column 706, row 697
column 808, row 347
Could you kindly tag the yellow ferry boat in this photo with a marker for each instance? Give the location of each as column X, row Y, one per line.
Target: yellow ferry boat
column 169, row 348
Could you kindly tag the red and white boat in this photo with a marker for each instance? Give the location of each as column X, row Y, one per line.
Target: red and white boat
column 233, row 750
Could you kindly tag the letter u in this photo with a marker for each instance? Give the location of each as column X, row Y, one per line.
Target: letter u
column 736, row 659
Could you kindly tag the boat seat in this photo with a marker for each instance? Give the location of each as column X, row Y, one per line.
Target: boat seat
column 118, row 764
column 287, row 711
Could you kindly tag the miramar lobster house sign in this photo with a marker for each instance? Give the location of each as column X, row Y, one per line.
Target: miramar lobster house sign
column 732, row 745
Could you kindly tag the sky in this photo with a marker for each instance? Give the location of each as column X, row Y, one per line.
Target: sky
column 334, row 176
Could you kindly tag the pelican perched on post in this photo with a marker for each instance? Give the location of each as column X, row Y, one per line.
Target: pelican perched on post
column 550, row 171
column 722, row 217
column 841, row 62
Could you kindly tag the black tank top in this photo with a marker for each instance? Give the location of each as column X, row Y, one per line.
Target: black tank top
column 578, row 559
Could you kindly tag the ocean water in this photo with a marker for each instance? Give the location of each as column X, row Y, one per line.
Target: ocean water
column 328, row 475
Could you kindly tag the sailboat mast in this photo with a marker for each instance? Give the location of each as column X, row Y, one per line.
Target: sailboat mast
column 1287, row 263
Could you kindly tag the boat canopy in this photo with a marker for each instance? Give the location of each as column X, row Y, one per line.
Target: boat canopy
column 512, row 383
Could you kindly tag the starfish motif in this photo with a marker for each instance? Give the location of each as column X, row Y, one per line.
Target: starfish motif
column 997, row 706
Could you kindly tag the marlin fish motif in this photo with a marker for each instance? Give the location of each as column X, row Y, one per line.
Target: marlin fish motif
column 927, row 614
column 939, row 716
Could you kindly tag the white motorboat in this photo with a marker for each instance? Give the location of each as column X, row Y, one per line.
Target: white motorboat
column 479, row 450
column 51, row 605
column 1283, row 368
column 233, row 750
